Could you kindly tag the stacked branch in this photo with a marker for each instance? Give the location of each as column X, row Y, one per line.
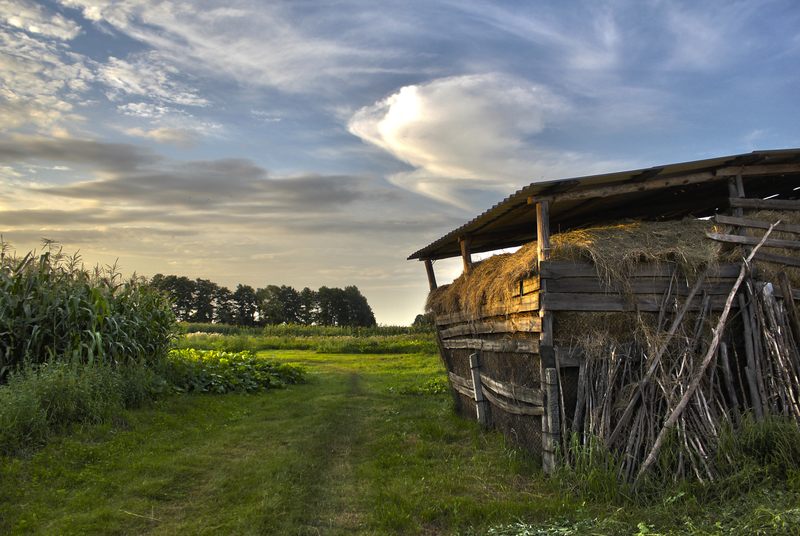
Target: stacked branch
column 660, row 400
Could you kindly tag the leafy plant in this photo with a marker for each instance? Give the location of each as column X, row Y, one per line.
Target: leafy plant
column 212, row 371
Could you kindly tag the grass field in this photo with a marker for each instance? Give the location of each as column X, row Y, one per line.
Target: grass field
column 365, row 447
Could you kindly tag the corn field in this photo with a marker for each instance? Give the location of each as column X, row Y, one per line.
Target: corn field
column 54, row 309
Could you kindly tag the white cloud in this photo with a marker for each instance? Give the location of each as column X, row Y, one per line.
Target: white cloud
column 34, row 19
column 262, row 44
column 470, row 127
column 147, row 75
column 470, row 135
column 39, row 82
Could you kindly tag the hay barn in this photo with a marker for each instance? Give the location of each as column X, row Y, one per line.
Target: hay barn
column 631, row 313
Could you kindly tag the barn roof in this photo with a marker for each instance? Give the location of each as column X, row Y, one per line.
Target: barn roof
column 698, row 188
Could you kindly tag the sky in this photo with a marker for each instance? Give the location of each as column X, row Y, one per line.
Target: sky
column 320, row 143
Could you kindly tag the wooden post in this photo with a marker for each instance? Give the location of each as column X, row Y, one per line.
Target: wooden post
column 542, row 231
column 552, row 415
column 736, row 189
column 466, row 256
column 431, row 275
column 551, row 421
column 480, row 401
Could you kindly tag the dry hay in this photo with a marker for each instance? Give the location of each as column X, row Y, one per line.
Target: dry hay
column 615, row 251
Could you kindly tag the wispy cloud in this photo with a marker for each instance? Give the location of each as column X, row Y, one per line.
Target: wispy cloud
column 35, row 19
column 147, row 75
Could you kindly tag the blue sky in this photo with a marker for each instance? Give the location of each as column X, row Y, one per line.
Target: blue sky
column 319, row 143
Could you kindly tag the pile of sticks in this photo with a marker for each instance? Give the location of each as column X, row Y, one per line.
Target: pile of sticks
column 660, row 403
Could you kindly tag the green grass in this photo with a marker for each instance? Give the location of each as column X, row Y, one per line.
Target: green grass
column 419, row 343
column 368, row 446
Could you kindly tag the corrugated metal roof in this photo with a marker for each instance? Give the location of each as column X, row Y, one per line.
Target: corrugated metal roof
column 697, row 188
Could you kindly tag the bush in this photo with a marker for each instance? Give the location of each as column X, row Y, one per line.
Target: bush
column 43, row 400
column 213, row 371
column 52, row 309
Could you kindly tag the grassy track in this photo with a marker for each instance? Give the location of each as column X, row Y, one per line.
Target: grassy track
column 345, row 454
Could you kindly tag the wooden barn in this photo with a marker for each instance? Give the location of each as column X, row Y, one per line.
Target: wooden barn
column 630, row 309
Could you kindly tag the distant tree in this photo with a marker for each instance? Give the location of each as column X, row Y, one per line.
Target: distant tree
column 307, row 311
column 180, row 289
column 224, row 306
column 205, row 292
column 245, row 305
column 359, row 313
column 329, row 305
column 423, row 321
column 278, row 305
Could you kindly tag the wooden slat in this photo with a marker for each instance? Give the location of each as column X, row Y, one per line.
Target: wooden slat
column 518, row 393
column 530, row 324
column 523, row 346
column 461, row 388
column 755, row 224
column 561, row 269
column 610, row 303
column 636, row 286
column 765, row 204
column 753, row 240
column 520, row 305
column 763, row 169
column 527, row 286
column 777, row 259
column 513, row 408
column 466, row 383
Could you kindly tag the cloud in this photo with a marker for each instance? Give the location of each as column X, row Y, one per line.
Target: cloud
column 180, row 137
column 460, row 126
column 116, row 157
column 470, row 137
column 264, row 44
column 35, row 19
column 147, row 75
column 39, row 82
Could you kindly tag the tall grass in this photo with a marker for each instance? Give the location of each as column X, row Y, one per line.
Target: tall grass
column 53, row 309
column 298, row 330
column 422, row 343
column 41, row 401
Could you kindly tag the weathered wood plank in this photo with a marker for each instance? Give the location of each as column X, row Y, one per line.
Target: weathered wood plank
column 465, row 390
column 522, row 346
column 514, row 325
column 636, row 286
column 777, row 259
column 519, row 305
column 466, row 383
column 513, row 408
column 752, row 241
column 611, row 303
column 527, row 286
column 755, row 224
column 561, row 269
column 765, row 204
column 517, row 393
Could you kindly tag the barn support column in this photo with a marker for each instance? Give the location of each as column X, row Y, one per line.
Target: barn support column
column 466, row 256
column 431, row 274
column 551, row 422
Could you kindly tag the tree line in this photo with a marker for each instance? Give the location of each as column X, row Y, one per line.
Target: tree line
column 201, row 300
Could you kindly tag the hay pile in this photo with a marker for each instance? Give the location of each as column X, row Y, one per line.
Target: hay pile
column 615, row 251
